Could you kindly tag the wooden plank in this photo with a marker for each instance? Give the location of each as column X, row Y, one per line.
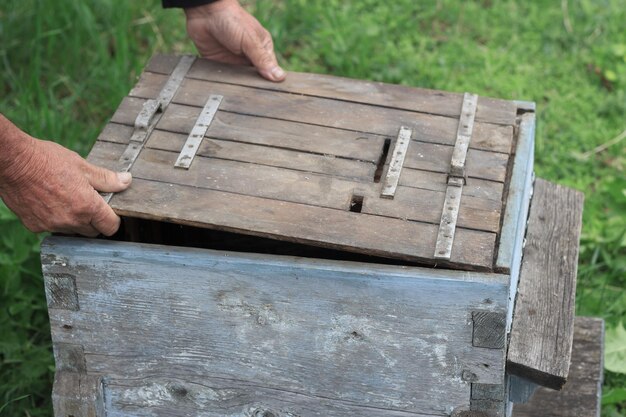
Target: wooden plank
column 342, row 115
column 162, row 64
column 247, row 179
column 264, row 155
column 541, row 335
column 581, row 395
column 387, row 338
column 517, row 204
column 79, row 395
column 321, row 140
column 367, row 92
column 480, row 164
column 188, row 395
column 519, row 193
column 329, row 112
column 422, row 205
column 313, row 162
column 299, row 187
column 344, row 230
column 263, row 131
column 437, row 181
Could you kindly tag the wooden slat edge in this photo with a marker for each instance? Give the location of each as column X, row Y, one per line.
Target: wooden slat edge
column 515, row 212
column 542, row 330
column 582, row 394
column 56, row 251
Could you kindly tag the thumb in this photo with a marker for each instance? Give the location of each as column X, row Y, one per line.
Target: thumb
column 260, row 51
column 105, row 180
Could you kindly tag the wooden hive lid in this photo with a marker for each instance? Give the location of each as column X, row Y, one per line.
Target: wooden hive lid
column 307, row 160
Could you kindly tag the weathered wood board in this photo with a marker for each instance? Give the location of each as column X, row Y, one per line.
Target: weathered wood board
column 541, row 336
column 302, row 161
column 165, row 331
column 581, row 395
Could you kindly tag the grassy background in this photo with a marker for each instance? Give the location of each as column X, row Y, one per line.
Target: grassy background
column 65, row 65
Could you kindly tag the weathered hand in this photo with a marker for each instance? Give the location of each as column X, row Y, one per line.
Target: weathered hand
column 223, row 31
column 51, row 188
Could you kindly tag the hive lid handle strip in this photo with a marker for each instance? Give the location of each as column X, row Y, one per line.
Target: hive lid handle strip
column 197, row 133
column 456, row 179
column 397, row 160
column 463, row 135
column 150, row 115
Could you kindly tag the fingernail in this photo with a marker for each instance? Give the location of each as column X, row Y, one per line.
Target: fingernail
column 278, row 73
column 124, row 177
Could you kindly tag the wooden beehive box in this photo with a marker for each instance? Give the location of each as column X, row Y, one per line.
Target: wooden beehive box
column 410, row 206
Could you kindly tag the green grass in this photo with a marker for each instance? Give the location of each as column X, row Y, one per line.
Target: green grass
column 65, row 65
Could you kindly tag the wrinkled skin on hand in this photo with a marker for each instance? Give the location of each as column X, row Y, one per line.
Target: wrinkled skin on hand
column 51, row 188
column 223, row 31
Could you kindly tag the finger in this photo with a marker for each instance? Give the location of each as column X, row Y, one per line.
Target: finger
column 225, row 57
column 81, row 229
column 86, row 230
column 260, row 51
column 104, row 218
column 105, row 180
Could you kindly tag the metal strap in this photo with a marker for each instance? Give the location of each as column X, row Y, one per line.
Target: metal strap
column 397, row 160
column 197, row 133
column 463, row 135
column 456, row 179
column 150, row 115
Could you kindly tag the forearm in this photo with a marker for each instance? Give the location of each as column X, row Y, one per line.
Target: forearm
column 15, row 145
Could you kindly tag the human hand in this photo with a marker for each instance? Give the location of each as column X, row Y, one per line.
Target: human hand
column 223, row 31
column 51, row 188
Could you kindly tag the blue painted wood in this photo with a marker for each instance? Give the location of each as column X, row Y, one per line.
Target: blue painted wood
column 520, row 389
column 231, row 334
column 517, row 205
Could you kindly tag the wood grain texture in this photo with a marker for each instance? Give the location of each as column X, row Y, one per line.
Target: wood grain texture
column 69, row 357
column 518, row 197
column 319, row 140
column 312, row 156
column 61, row 291
column 399, row 239
column 288, row 144
column 226, row 209
column 581, row 395
column 489, row 329
column 77, row 395
column 543, row 322
column 162, row 64
column 328, row 112
column 516, row 207
column 368, row 92
column 215, row 332
column 301, row 187
column 190, row 396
